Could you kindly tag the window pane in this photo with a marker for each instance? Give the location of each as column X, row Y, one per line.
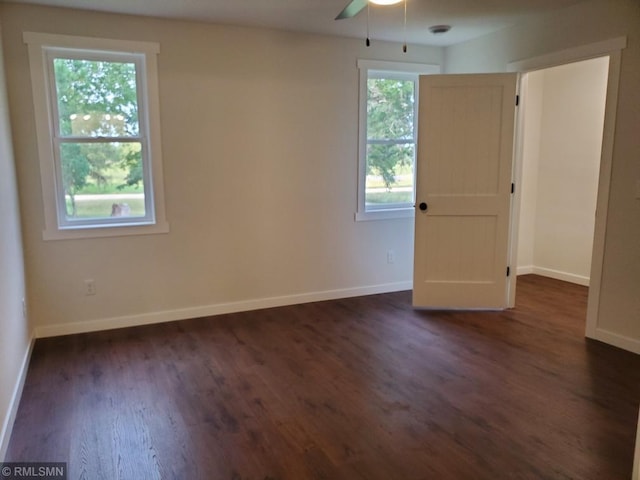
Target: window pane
column 389, row 175
column 102, row 180
column 390, row 109
column 96, row 98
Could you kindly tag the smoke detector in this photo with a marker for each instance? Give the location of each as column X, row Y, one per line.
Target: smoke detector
column 439, row 29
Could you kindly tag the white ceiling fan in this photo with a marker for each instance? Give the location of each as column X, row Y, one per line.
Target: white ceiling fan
column 356, row 6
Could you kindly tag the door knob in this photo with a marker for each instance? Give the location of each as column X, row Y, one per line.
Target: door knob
column 423, row 206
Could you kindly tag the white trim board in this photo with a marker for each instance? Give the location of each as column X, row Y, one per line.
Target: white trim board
column 524, row 270
column 216, row 309
column 551, row 273
column 617, row 340
column 570, row 55
column 7, row 426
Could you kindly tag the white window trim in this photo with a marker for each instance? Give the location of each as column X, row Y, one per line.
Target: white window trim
column 364, row 66
column 37, row 44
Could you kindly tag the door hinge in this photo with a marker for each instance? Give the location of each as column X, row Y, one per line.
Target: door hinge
column 517, row 100
column 508, row 271
column 513, row 188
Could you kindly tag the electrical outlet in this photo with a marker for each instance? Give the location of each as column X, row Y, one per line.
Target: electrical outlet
column 391, row 257
column 24, row 309
column 89, row 287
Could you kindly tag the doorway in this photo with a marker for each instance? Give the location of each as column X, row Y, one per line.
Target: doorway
column 612, row 49
column 561, row 151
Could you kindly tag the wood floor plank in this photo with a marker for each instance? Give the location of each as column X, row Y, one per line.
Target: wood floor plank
column 361, row 388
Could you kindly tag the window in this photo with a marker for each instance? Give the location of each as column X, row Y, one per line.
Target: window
column 98, row 138
column 388, row 138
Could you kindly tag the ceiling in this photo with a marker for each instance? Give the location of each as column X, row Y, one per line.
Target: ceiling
column 468, row 18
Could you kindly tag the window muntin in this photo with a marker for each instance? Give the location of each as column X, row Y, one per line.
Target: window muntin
column 96, row 97
column 391, row 140
column 93, row 180
column 123, row 134
column 387, row 137
column 102, row 168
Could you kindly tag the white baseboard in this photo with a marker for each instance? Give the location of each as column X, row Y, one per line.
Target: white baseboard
column 525, row 270
column 615, row 339
column 217, row 309
column 7, row 426
column 557, row 274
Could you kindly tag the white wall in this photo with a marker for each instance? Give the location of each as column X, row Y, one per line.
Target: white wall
column 14, row 331
column 561, row 167
column 597, row 20
column 259, row 132
column 532, row 121
column 260, row 148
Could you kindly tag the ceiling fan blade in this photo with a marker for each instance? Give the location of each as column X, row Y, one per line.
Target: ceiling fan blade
column 351, row 10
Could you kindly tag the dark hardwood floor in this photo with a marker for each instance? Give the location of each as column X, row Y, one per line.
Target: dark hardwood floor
column 361, row 388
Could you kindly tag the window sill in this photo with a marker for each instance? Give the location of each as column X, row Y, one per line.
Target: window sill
column 105, row 231
column 389, row 214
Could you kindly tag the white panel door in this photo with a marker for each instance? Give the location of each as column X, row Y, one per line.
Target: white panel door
column 463, row 191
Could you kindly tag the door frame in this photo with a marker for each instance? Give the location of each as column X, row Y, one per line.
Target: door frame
column 609, row 48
